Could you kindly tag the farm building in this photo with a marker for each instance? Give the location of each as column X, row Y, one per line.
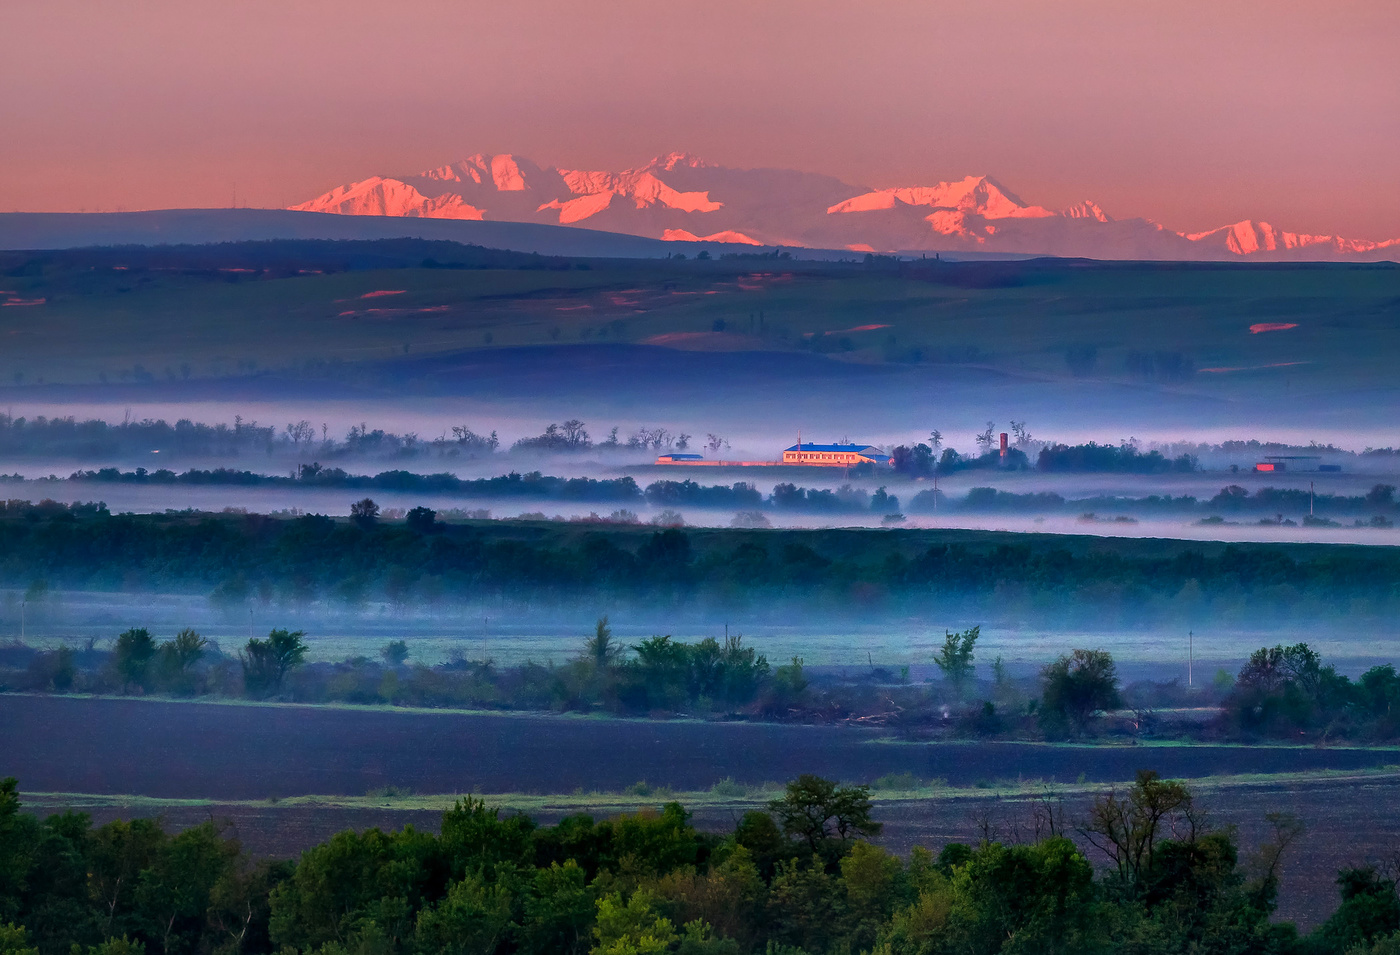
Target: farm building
column 1295, row 462
column 835, row 455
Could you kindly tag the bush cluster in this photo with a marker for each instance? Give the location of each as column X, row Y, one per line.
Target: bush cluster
column 799, row 878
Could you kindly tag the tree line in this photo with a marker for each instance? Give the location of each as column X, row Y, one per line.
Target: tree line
column 924, row 460
column 1379, row 504
column 240, row 557
column 41, row 435
column 1144, row 870
column 1280, row 693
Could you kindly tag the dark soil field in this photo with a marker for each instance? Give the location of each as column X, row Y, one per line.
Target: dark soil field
column 238, row 751
column 233, row 754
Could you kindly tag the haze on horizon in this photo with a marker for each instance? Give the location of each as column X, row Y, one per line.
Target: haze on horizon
column 1190, row 113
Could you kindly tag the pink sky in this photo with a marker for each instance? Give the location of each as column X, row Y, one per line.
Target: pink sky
column 1192, row 113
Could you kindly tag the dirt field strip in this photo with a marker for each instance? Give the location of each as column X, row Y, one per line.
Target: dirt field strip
column 1027, row 791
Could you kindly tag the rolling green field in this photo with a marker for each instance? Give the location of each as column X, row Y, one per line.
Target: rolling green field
column 110, row 316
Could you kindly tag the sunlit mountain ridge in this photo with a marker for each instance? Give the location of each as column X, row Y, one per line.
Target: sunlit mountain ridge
column 681, row 197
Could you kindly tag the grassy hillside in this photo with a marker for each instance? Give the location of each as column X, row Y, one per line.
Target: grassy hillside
column 302, row 311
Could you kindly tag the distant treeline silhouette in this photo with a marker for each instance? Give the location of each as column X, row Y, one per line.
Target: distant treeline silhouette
column 1377, row 507
column 68, row 437
column 839, row 573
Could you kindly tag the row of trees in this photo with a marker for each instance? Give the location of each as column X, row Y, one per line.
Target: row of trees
column 573, row 436
column 1287, row 690
column 311, row 557
column 1281, row 692
column 796, row 878
column 656, row 674
column 70, row 437
column 1379, row 502
column 923, row 459
column 172, row 666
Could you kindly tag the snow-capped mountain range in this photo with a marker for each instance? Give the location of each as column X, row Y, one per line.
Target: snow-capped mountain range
column 680, row 197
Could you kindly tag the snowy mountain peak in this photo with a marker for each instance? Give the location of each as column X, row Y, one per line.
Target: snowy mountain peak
column 682, row 197
column 978, row 195
column 378, row 196
column 672, row 161
column 1088, row 209
column 1248, row 237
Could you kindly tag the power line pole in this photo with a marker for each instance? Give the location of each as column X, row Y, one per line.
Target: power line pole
column 1190, row 657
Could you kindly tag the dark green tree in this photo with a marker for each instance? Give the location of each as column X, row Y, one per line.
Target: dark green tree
column 1370, row 910
column 173, row 895
column 474, row 919
column 806, row 907
column 955, row 658
column 825, row 816
column 558, row 914
column 178, row 658
column 14, row 940
column 364, row 513
column 421, row 519
column 267, row 662
column 1075, row 687
column 1026, row 898
column 760, row 835
column 1129, row 828
column 357, row 888
column 132, row 656
column 601, row 650
column 119, row 852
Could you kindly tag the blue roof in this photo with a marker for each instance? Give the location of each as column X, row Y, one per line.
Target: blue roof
column 847, row 448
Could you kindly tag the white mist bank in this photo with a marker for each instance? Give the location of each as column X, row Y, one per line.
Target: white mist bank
column 510, row 636
column 1244, row 527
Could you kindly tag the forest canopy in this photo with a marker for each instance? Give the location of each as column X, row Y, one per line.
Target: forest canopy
column 1149, row 873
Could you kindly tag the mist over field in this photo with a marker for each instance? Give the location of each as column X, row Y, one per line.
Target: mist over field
column 510, row 636
column 357, row 357
column 410, row 475
column 858, row 481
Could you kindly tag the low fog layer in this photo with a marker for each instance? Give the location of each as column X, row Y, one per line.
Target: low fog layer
column 1229, row 504
column 288, row 503
column 508, row 637
column 758, row 424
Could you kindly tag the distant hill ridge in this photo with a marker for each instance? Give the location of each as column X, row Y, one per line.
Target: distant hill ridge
column 679, row 197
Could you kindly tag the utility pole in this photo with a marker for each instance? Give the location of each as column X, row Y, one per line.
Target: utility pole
column 1190, row 657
